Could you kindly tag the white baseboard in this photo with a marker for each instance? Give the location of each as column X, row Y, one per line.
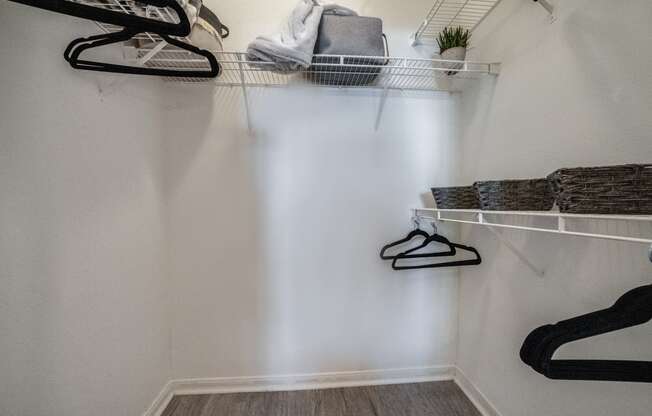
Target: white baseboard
column 297, row 382
column 321, row 381
column 312, row 381
column 477, row 398
column 161, row 401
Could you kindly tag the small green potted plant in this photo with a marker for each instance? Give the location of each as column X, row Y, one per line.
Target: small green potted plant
column 453, row 42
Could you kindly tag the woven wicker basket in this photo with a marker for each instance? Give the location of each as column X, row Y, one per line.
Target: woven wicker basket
column 458, row 197
column 515, row 195
column 625, row 189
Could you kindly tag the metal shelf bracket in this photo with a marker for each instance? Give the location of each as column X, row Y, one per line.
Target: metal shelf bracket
column 539, row 272
column 245, row 96
column 508, row 244
column 381, row 108
column 480, row 218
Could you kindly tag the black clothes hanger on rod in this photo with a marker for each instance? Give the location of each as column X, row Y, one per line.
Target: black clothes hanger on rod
column 77, row 46
column 407, row 255
column 119, row 17
column 432, row 238
column 632, row 309
column 428, row 238
column 121, row 14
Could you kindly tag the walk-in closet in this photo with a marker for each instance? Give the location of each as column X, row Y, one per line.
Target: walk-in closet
column 325, row 208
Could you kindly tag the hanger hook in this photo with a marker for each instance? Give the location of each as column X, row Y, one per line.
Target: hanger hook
column 649, row 253
column 416, row 220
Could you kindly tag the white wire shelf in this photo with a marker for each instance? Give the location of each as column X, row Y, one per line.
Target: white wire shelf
column 465, row 13
column 395, row 73
column 562, row 222
column 446, row 13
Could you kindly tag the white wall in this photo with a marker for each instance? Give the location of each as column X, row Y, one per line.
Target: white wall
column 84, row 326
column 573, row 93
column 274, row 237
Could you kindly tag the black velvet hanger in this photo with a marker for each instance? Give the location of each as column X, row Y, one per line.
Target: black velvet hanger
column 406, row 255
column 133, row 25
column 119, row 18
column 632, row 309
column 432, row 238
column 428, row 238
column 77, row 46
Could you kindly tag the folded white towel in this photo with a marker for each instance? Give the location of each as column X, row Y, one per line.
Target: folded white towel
column 292, row 48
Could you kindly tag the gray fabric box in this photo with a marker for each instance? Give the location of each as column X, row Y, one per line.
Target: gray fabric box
column 349, row 35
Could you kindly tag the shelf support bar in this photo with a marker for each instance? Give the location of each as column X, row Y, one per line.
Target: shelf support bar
column 549, row 8
column 149, row 55
column 243, row 85
column 546, row 5
column 517, row 252
column 381, row 108
column 482, row 221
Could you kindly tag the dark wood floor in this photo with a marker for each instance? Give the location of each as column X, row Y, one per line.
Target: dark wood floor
column 423, row 399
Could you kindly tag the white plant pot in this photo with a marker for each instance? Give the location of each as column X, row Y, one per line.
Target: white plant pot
column 453, row 54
